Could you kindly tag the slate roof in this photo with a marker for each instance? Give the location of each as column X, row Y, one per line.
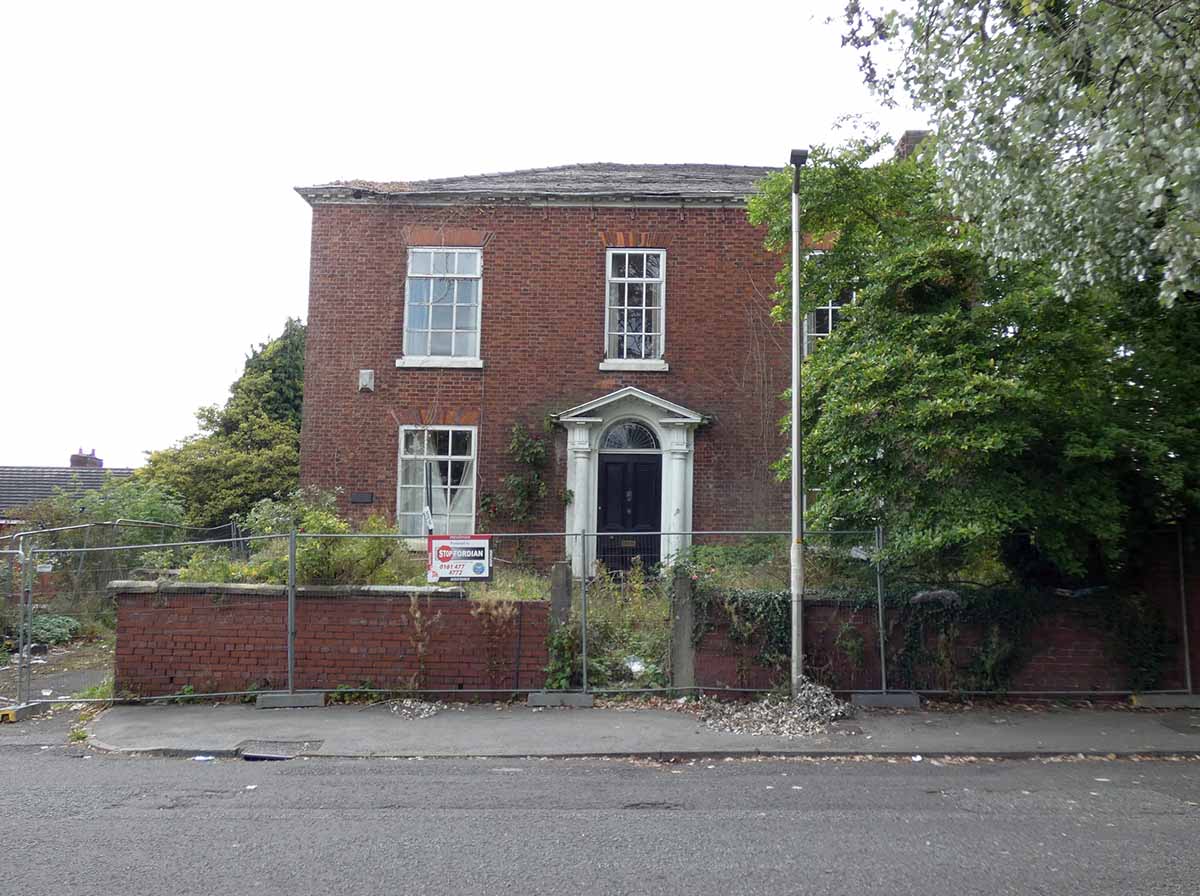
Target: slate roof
column 594, row 181
column 25, row 485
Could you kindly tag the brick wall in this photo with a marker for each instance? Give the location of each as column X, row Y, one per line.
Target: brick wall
column 541, row 344
column 1070, row 653
column 1172, row 561
column 1070, row 647
column 230, row 638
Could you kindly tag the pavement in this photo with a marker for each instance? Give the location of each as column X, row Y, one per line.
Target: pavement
column 63, row 671
column 505, row 730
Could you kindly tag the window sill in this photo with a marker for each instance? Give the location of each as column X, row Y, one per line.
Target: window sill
column 648, row 364
column 436, row 361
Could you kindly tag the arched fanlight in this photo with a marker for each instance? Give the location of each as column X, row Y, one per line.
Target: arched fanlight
column 628, row 436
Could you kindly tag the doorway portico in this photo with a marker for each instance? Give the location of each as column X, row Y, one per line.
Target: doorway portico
column 629, row 474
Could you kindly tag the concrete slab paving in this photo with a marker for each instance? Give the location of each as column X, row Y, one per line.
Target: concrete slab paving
column 513, row 730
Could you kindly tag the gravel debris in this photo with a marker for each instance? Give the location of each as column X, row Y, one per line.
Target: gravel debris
column 411, row 708
column 809, row 713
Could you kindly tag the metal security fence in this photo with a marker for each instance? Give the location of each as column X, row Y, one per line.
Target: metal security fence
column 233, row 614
column 56, row 587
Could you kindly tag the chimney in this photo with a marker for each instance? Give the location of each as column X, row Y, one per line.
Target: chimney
column 908, row 142
column 87, row 461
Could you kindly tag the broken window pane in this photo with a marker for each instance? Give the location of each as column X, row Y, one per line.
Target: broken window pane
column 414, row 441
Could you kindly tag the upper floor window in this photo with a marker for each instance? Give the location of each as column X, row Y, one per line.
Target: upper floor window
column 634, row 313
column 437, row 470
column 821, row 321
column 441, row 305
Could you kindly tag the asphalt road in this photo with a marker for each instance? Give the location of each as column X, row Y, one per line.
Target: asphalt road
column 104, row 825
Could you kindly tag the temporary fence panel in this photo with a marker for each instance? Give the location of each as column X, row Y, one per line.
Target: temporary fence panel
column 355, row 613
column 67, row 596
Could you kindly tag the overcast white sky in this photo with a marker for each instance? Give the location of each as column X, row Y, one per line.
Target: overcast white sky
column 150, row 233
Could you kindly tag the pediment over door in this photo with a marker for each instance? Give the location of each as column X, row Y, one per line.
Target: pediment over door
column 631, row 399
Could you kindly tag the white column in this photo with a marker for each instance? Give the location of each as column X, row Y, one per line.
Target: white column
column 676, row 486
column 581, row 501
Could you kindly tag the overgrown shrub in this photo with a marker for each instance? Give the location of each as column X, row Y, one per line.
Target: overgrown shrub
column 385, row 560
column 49, row 628
column 1138, row 639
column 629, row 633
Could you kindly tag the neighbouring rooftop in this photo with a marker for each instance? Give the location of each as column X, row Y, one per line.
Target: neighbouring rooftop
column 595, row 181
column 21, row 486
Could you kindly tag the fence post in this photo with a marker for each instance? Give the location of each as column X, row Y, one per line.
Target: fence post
column 560, row 593
column 583, row 608
column 683, row 651
column 1183, row 610
column 291, row 613
column 879, row 602
column 25, row 636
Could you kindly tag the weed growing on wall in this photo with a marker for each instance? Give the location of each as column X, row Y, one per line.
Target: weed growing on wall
column 629, row 632
column 497, row 620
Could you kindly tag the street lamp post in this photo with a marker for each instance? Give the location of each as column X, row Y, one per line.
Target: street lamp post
column 798, row 158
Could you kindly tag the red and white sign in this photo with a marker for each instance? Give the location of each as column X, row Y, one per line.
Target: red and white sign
column 460, row 558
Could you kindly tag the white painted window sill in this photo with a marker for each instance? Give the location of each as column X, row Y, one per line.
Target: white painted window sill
column 437, row 361
column 649, row 364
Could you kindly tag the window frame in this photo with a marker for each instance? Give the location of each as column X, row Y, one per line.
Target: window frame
column 401, row 457
column 428, row 360
column 810, row 336
column 658, row 361
column 603, row 449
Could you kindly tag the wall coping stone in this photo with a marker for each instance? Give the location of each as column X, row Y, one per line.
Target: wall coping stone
column 125, row 586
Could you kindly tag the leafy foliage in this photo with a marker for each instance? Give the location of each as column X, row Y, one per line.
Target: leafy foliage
column 966, row 407
column 250, row 448
column 629, row 634
column 522, row 491
column 1139, row 639
column 118, row 498
column 1069, row 128
column 52, row 629
column 385, row 560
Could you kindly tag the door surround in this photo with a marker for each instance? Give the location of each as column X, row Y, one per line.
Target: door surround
column 674, row 428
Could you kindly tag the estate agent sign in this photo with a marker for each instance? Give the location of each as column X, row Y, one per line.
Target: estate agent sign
column 460, row 558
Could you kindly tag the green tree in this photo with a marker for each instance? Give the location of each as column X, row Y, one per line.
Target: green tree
column 248, row 449
column 964, row 404
column 1070, row 129
column 118, row 498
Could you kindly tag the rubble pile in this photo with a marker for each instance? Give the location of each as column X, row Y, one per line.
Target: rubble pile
column 411, row 708
column 810, row 712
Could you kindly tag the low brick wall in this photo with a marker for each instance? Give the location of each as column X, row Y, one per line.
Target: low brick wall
column 1069, row 652
column 217, row 638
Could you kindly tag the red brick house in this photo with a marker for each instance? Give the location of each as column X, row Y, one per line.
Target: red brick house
column 626, row 306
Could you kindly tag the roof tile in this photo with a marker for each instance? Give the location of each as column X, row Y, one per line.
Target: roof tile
column 594, row 180
column 20, row 486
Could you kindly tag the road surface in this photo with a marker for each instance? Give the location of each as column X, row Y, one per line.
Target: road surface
column 77, row 822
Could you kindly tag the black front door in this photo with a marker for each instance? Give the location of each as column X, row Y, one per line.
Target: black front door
column 629, row 503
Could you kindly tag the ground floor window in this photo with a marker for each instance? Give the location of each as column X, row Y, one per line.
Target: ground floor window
column 437, row 467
